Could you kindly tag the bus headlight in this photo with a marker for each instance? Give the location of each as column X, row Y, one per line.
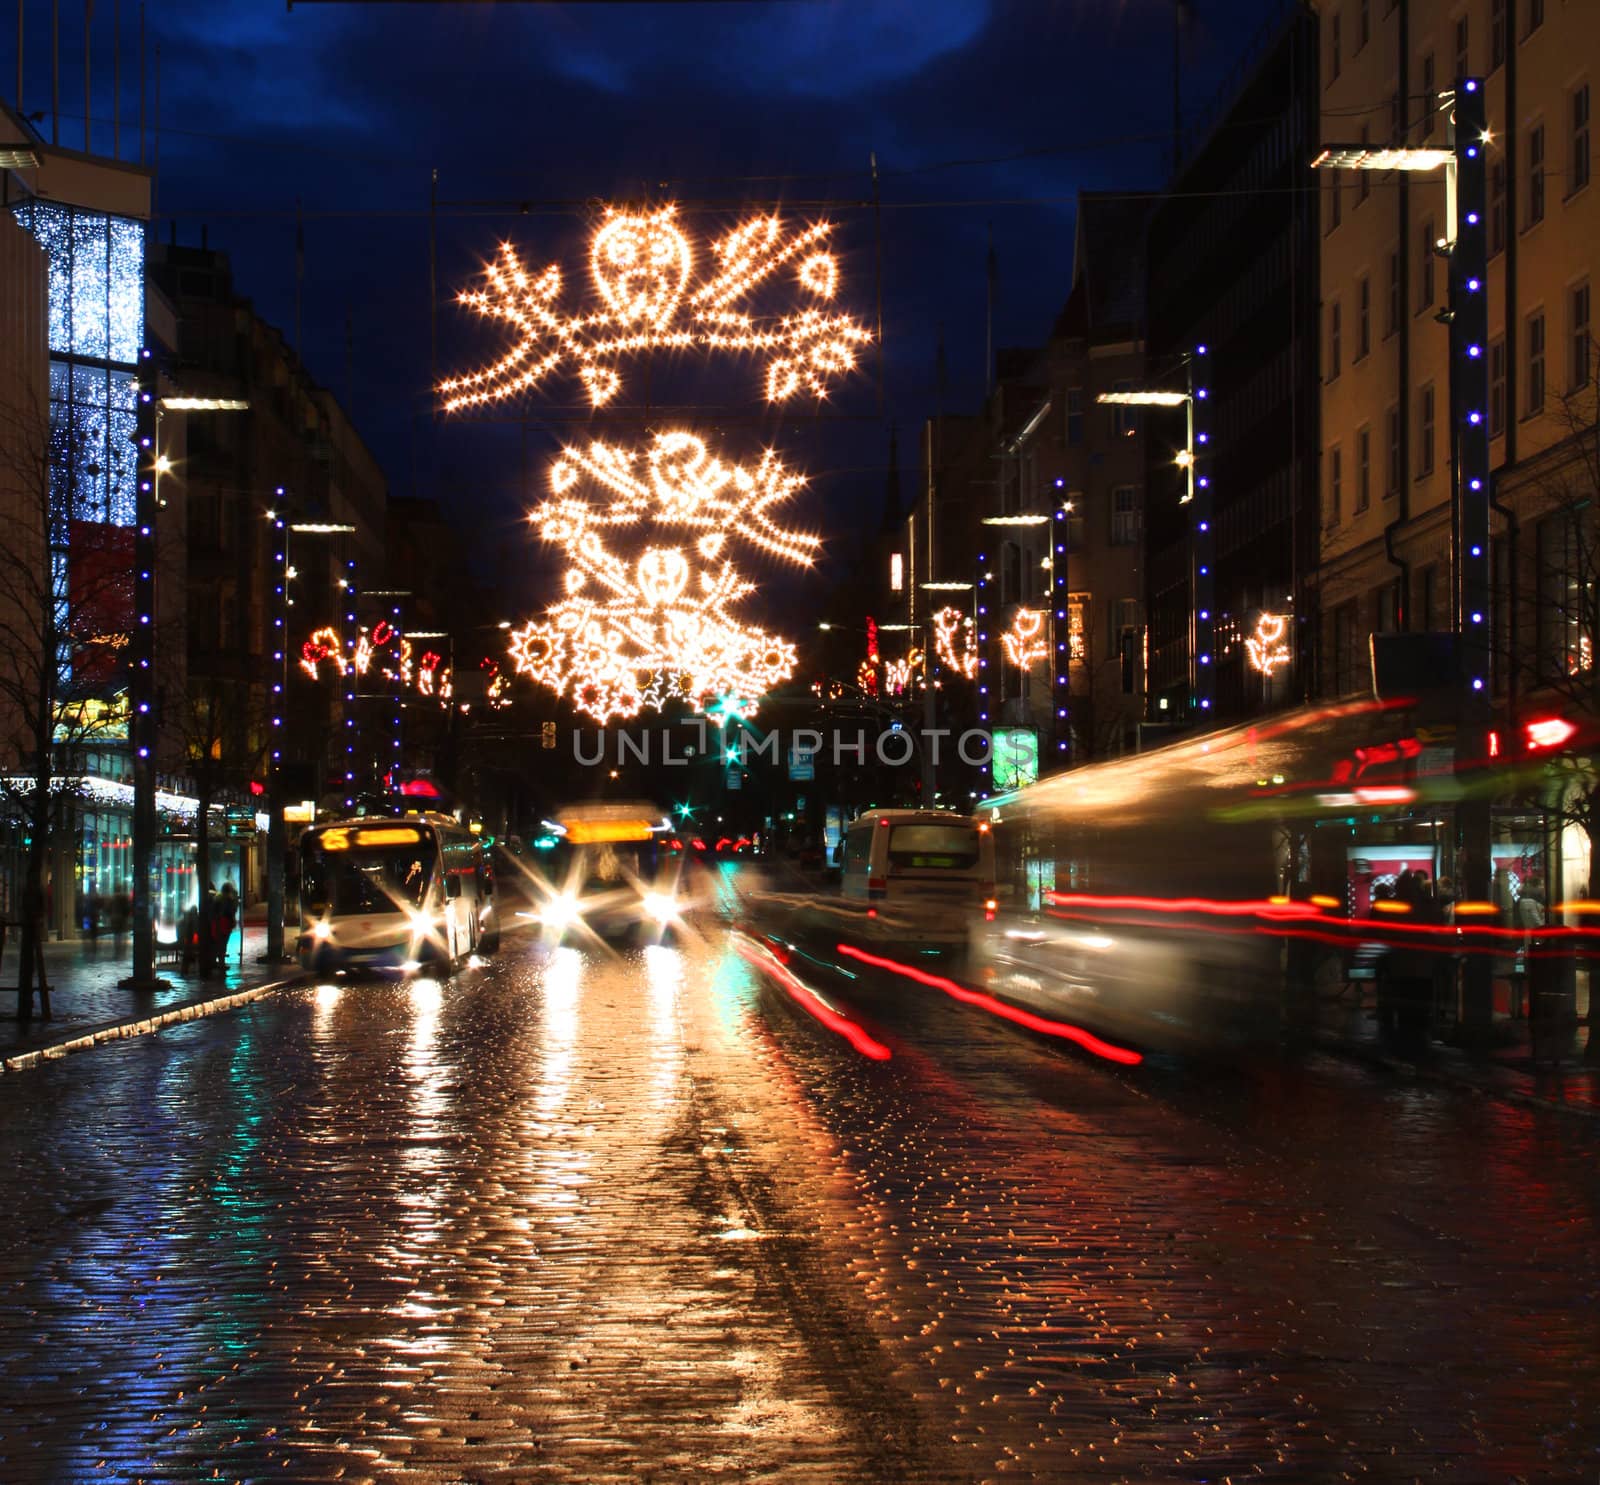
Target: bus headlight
column 661, row 906
column 322, row 929
column 560, row 912
column 422, row 922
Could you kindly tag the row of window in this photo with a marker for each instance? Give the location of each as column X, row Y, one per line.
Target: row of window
column 1501, row 18
column 1579, row 369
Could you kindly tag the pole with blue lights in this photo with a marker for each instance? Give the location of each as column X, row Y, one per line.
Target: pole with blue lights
column 142, row 729
column 1200, row 497
column 1469, row 384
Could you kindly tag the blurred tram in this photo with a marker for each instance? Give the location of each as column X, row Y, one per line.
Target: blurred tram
column 1205, row 894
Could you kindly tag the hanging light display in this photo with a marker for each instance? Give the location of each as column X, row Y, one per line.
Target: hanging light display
column 646, row 297
column 1023, row 646
column 955, row 641
column 639, row 630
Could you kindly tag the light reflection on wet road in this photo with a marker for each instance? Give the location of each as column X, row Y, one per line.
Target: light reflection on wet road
column 589, row 1216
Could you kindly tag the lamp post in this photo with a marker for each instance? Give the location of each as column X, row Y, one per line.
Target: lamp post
column 143, row 725
column 277, row 841
column 1465, row 245
column 929, row 711
column 1197, row 493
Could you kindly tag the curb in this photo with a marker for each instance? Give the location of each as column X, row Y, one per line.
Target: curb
column 191, row 1010
column 1450, row 1078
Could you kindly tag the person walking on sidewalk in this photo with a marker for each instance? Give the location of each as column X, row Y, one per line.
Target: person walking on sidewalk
column 224, row 915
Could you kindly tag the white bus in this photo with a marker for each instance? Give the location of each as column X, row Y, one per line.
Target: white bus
column 394, row 894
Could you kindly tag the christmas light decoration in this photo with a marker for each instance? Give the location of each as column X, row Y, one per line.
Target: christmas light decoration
column 949, row 626
column 897, row 673
column 1022, row 644
column 1265, row 647
column 635, row 634
column 646, row 299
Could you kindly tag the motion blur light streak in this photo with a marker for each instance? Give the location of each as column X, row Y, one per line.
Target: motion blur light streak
column 1085, row 1039
column 1247, row 907
column 763, row 959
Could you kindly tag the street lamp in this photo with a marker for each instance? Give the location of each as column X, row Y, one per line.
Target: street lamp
column 277, row 842
column 1060, row 658
column 143, row 728
column 1465, row 245
column 1197, row 492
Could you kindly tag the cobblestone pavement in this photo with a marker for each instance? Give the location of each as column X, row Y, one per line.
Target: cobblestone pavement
column 579, row 1215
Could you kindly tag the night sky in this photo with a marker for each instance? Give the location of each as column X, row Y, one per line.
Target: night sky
column 985, row 116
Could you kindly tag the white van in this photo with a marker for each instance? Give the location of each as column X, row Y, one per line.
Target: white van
column 926, row 869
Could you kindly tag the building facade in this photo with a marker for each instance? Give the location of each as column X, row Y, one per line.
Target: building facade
column 1232, row 323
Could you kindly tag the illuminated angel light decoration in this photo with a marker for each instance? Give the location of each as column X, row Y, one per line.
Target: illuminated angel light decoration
column 646, row 298
column 1266, row 647
column 1023, row 647
column 950, row 625
column 636, row 632
column 897, row 674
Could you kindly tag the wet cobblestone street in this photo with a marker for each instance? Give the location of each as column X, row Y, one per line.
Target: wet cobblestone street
column 589, row 1215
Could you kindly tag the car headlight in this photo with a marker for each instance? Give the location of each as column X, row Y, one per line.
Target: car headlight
column 322, row 929
column 661, row 906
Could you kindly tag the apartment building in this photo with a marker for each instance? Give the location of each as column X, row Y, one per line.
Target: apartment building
column 1387, row 560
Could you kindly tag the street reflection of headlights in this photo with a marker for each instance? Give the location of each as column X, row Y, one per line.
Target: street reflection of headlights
column 322, row 929
column 660, row 906
column 560, row 912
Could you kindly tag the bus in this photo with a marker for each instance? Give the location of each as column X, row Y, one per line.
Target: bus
column 925, row 873
column 394, row 894
column 1206, row 895
column 609, row 876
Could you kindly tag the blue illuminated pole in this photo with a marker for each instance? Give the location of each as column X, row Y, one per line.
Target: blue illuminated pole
column 277, row 842
column 1061, row 626
column 142, row 727
column 1469, row 386
column 353, row 640
column 1200, row 497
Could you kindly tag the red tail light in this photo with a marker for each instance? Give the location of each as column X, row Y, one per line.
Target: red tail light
column 877, row 886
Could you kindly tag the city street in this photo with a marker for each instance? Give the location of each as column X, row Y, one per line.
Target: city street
column 579, row 1214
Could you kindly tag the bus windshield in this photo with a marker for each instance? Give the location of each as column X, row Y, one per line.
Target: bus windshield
column 947, row 847
column 367, row 879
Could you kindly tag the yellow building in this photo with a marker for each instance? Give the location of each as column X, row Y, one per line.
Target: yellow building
column 1386, row 457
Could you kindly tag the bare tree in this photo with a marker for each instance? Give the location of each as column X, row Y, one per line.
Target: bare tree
column 66, row 590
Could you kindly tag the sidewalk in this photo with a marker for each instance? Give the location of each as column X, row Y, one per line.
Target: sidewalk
column 84, row 989
column 1509, row 1070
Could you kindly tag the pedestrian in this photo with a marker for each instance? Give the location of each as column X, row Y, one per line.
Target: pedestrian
column 188, row 937
column 225, row 915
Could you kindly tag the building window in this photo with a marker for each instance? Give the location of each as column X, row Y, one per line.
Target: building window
column 1430, row 103
column 1124, row 418
column 1124, row 515
column 1565, row 643
column 1463, row 49
column 1397, row 465
column 1363, row 315
column 1335, row 485
column 1335, row 199
column 1335, row 339
column 1394, row 294
column 1497, row 34
column 1346, row 649
column 1535, row 342
column 1427, row 596
column 1363, row 23
column 1425, row 268
column 1074, row 416
column 1497, row 387
column 1578, row 173
column 1425, row 432
column 1535, row 17
column 1497, row 207
column 1578, row 337
column 1363, row 468
column 1333, row 47
column 1364, row 177
column 1386, row 607
column 1535, row 175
